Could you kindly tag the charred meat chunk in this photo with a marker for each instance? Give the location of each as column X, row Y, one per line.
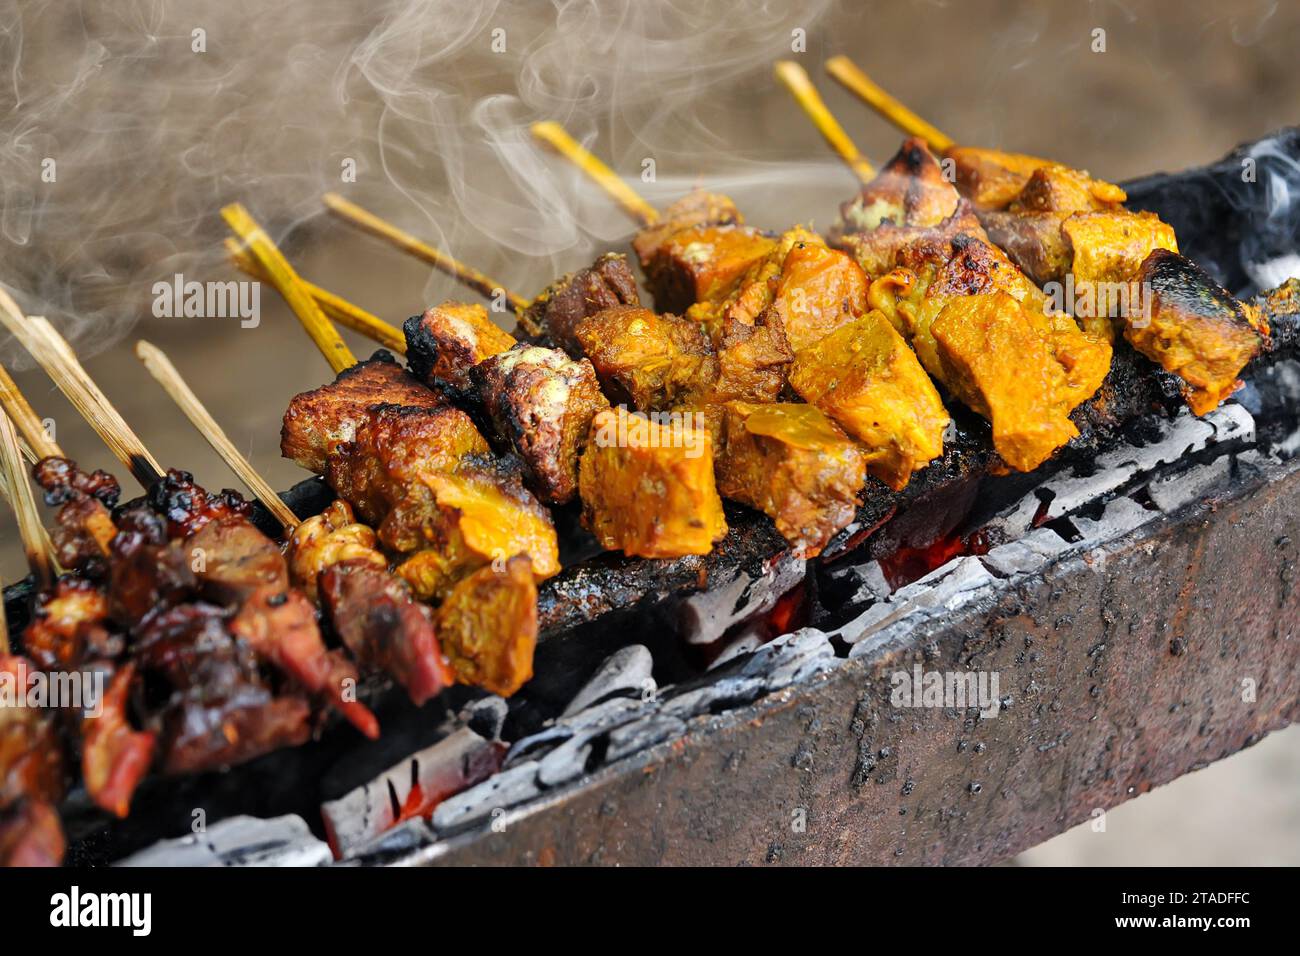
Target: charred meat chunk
column 318, row 420
column 648, row 488
column 377, row 619
column 391, row 448
column 232, row 560
column 488, row 626
column 187, row 507
column 652, row 361
column 1192, row 327
column 84, row 524
column 448, row 340
column 457, row 522
column 792, row 463
column 280, row 625
column 910, row 190
column 864, row 376
column 541, row 403
column 217, row 709
column 557, row 310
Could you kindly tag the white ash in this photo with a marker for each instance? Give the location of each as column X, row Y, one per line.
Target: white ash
column 625, row 672
column 709, row 614
column 240, row 841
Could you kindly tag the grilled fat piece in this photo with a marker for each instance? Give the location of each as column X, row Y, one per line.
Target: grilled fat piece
column 791, row 462
column 648, row 489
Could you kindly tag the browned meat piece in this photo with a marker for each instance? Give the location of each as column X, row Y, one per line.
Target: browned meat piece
column 31, row 835
column 753, row 361
column 993, row 179
column 148, row 570
column 558, row 308
column 68, row 627
column 653, row 361
column 696, row 208
column 1033, row 240
column 280, row 625
column 375, row 616
column 488, row 625
column 219, row 711
column 1193, row 328
column 648, row 488
column 910, row 190
column 458, row 522
column 188, row 507
column 115, row 756
column 448, row 340
column 703, row 264
column 877, row 251
column 232, row 559
column 791, row 462
column 31, row 755
column 1055, row 188
column 318, row 420
column 83, row 525
column 541, row 403
column 391, row 448
column 865, row 377
column 330, row 538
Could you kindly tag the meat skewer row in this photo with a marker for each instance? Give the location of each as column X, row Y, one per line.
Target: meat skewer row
column 1063, row 227
column 459, row 520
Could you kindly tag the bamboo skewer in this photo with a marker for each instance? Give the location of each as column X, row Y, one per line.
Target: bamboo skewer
column 166, row 375
column 30, row 529
column 851, row 77
column 368, row 222
column 795, row 79
column 28, row 423
column 287, row 283
column 555, row 136
column 335, row 307
column 60, row 363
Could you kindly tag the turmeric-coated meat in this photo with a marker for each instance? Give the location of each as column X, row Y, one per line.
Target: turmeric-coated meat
column 447, row 340
column 488, row 626
column 556, row 310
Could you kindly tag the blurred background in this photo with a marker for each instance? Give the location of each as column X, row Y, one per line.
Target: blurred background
column 126, row 125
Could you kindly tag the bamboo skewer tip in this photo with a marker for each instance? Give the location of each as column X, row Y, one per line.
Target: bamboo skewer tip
column 629, row 200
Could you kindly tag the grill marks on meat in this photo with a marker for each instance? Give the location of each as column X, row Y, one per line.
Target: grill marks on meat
column 318, row 420
column 554, row 315
column 448, row 340
column 384, row 627
column 542, row 402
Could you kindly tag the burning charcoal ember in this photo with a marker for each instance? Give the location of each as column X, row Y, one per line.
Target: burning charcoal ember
column 383, row 627
column 718, row 695
column 648, row 489
column 239, row 841
column 488, row 626
column 486, row 716
column 698, row 251
column 942, row 590
column 790, row 462
column 448, row 340
column 541, row 404
column 391, row 448
column 556, row 311
column 478, row 515
column 412, row 788
column 115, row 756
column 30, row 835
column 641, row 735
column 1111, row 470
column 1026, row 554
column 219, row 710
column 625, row 673
column 1194, row 328
column 280, row 625
column 654, row 361
column 791, row 658
column 318, row 420
column 332, row 537
column 744, row 595
column 861, row 583
column 865, row 377
column 478, row 804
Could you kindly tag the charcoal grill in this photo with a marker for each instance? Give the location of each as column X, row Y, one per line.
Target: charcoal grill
column 1139, row 615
